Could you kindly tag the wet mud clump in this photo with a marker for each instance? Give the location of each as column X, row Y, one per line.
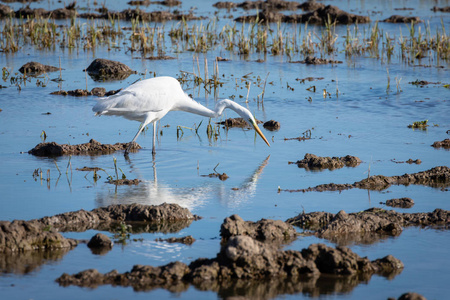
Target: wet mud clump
column 402, row 19
column 104, row 217
column 236, row 122
column 442, row 9
column 5, row 11
column 314, row 162
column 169, row 3
column 411, row 296
column 245, row 258
column 318, row 16
column 132, row 14
column 272, row 125
column 311, row 60
column 105, row 69
column 19, row 236
column 91, row 148
column 69, row 12
column 264, row 230
column 400, row 202
column 124, row 181
column 97, row 91
column 26, row 245
column 35, row 68
column 367, row 226
column 437, row 177
column 187, row 240
column 100, row 242
column 442, row 144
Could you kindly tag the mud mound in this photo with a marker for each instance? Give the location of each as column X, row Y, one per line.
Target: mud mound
column 402, row 19
column 132, row 14
column 263, row 230
column 311, row 60
column 314, row 162
column 119, row 213
column 272, row 125
column 317, row 16
column 105, row 69
column 400, row 202
column 35, row 68
column 236, row 122
column 19, row 236
column 100, row 241
column 442, row 9
column 91, row 148
column 344, row 228
column 5, row 11
column 187, row 240
column 246, row 259
column 444, row 144
column 435, row 177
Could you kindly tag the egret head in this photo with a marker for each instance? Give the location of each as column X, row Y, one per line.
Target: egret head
column 248, row 117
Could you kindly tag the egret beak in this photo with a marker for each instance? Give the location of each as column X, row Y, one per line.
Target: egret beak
column 260, row 134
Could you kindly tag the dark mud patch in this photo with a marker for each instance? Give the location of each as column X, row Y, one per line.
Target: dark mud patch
column 222, row 176
column 100, row 243
column 97, row 91
column 438, row 177
column 311, row 60
column 93, row 147
column 236, row 122
column 133, row 14
column 5, row 11
column 26, row 12
column 20, row 236
column 303, row 80
column 314, row 162
column 246, row 259
column 34, row 68
column 366, row 227
column 442, row 9
column 187, row 240
column 169, row 3
column 70, row 12
column 225, row 5
column 26, row 245
column 400, row 202
column 402, row 19
column 409, row 161
column 273, row 231
column 442, row 144
column 318, row 16
column 160, row 57
column 411, row 296
column 104, row 218
column 272, row 125
column 422, row 83
column 124, row 181
column 104, row 69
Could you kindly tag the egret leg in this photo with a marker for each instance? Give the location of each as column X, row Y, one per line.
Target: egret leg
column 134, row 139
column 154, row 138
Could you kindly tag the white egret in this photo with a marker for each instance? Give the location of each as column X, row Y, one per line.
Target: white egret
column 149, row 100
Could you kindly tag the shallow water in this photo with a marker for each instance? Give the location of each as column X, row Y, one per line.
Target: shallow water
column 365, row 120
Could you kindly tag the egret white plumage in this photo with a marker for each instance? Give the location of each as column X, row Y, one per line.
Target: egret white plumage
column 149, row 100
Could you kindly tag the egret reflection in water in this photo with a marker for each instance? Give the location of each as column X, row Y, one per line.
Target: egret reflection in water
column 154, row 192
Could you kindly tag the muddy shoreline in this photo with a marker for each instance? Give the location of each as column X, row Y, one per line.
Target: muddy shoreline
column 251, row 252
column 438, row 177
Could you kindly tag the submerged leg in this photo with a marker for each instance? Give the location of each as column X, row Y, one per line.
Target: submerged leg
column 134, row 139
